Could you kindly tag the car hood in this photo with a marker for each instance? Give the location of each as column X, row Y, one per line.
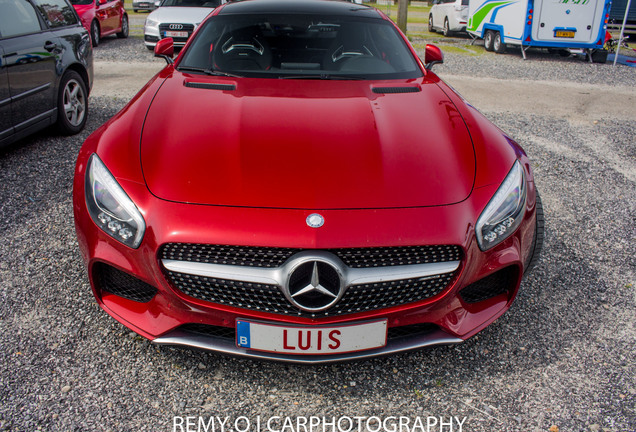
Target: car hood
column 182, row 15
column 302, row 144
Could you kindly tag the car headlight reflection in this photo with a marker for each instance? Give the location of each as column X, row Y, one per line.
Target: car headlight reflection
column 503, row 214
column 109, row 206
column 151, row 23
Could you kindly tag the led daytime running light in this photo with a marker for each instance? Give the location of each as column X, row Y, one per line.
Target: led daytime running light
column 503, row 214
column 110, row 207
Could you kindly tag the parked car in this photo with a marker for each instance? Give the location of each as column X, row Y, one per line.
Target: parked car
column 298, row 185
column 103, row 18
column 145, row 5
column 176, row 19
column 448, row 16
column 46, row 68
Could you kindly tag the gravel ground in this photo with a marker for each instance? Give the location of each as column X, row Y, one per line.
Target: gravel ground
column 562, row 357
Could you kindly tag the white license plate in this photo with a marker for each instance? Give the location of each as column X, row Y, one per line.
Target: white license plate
column 304, row 340
column 177, row 34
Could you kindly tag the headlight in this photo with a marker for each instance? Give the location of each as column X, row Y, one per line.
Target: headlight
column 503, row 214
column 151, row 23
column 109, row 206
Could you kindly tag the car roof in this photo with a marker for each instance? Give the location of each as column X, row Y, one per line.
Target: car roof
column 327, row 7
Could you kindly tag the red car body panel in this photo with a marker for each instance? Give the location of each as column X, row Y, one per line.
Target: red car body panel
column 109, row 15
column 230, row 170
column 344, row 137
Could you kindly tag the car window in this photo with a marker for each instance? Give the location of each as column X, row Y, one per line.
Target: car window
column 17, row 17
column 464, row 2
column 295, row 45
column 192, row 3
column 81, row 2
column 56, row 13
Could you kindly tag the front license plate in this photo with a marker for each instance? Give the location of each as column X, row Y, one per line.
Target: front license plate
column 181, row 34
column 311, row 340
column 564, row 34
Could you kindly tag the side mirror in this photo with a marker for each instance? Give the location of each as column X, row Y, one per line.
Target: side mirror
column 165, row 49
column 432, row 56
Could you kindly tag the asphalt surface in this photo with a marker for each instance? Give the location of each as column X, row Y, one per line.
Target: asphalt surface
column 561, row 359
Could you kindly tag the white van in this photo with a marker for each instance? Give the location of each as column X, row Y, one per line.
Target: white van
column 557, row 24
column 448, row 16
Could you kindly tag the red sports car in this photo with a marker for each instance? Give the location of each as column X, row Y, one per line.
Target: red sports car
column 299, row 186
column 102, row 18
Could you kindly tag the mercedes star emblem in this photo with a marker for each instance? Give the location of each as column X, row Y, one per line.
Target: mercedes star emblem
column 315, row 220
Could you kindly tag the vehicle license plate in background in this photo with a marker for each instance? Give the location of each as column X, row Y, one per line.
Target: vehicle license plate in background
column 564, row 34
column 177, row 34
column 311, row 340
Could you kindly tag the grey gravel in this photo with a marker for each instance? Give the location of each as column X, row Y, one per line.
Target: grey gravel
column 563, row 355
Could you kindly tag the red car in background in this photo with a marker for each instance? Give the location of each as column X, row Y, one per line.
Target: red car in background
column 102, row 18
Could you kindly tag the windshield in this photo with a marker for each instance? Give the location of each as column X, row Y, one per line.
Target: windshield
column 191, row 3
column 301, row 46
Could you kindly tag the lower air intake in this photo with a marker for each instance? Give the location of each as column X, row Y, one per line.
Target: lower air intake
column 491, row 286
column 122, row 284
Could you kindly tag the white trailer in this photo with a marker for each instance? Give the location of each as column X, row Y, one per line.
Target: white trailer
column 576, row 25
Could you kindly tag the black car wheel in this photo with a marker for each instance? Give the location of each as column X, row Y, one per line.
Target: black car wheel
column 124, row 28
column 95, row 35
column 538, row 236
column 430, row 24
column 72, row 104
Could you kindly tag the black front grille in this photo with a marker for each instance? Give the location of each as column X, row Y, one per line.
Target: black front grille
column 150, row 38
column 269, row 298
column 163, row 28
column 122, row 284
column 366, row 297
column 229, row 333
column 210, row 330
column 275, row 257
column 491, row 286
column 410, row 331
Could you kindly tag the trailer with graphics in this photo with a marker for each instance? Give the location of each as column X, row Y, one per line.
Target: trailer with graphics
column 574, row 25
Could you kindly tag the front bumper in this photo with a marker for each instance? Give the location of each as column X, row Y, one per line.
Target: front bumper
column 153, row 34
column 165, row 318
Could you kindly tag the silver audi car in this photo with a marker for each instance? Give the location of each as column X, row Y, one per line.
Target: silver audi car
column 176, row 19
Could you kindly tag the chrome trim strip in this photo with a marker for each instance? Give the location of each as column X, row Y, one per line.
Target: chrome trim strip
column 224, row 346
column 277, row 276
column 220, row 271
column 359, row 276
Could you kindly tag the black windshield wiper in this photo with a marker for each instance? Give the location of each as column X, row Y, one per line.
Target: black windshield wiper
column 207, row 71
column 323, row 77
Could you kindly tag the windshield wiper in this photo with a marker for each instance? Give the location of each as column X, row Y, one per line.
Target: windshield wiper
column 323, row 77
column 207, row 71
